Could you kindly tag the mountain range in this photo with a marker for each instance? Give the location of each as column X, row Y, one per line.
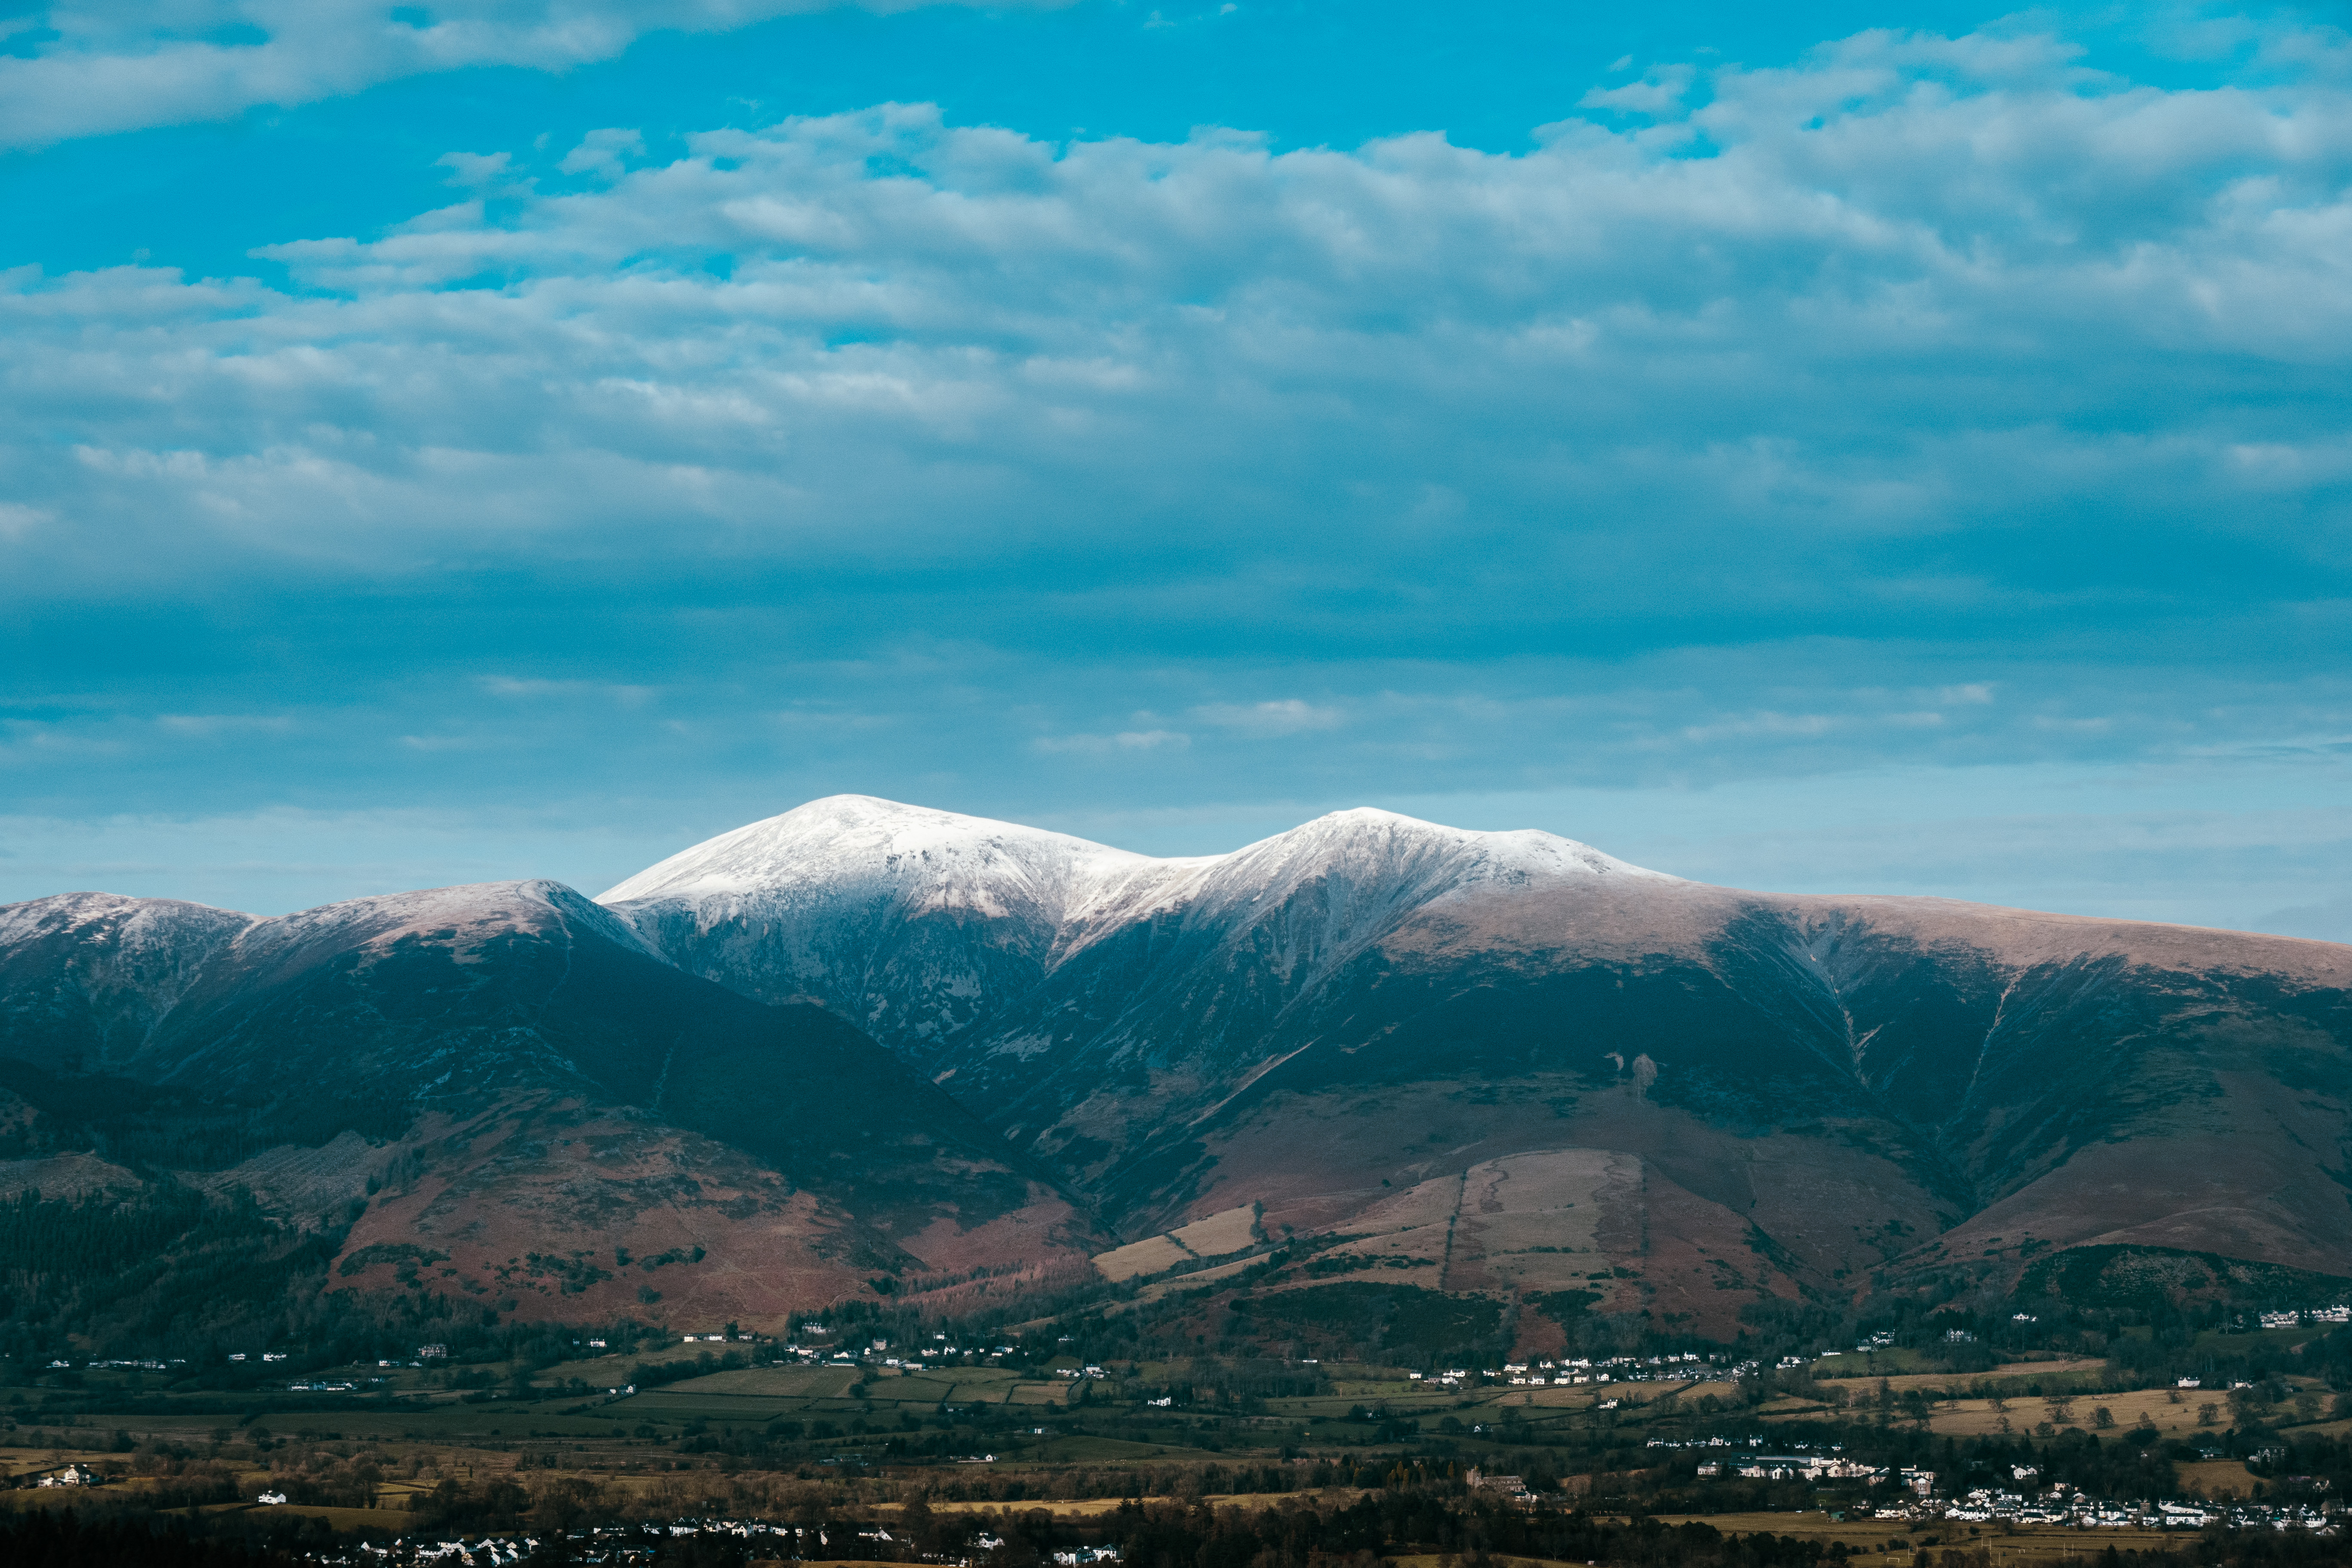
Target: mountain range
column 867, row 1049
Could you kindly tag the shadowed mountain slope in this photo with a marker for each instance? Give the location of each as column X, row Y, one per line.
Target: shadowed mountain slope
column 540, row 1103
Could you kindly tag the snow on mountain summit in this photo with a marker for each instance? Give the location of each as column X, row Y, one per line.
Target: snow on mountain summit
column 467, row 912
column 1366, row 833
column 942, row 859
column 866, row 905
column 945, row 859
column 914, row 923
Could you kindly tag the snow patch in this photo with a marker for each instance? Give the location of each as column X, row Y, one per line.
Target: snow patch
column 386, row 919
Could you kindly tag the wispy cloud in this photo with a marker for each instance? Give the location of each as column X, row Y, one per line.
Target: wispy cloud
column 223, row 726
column 623, row 694
column 1125, row 742
column 90, row 70
column 604, row 153
column 1287, row 716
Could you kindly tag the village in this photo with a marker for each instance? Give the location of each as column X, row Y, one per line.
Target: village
column 439, row 1452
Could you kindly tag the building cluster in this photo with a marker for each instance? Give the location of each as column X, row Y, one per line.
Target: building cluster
column 2337, row 1314
column 1561, row 1374
column 1711, row 1442
column 877, row 1354
column 485, row 1553
column 632, row 1543
column 1619, row 1369
column 74, row 1475
column 599, row 1544
column 2056, row 1505
column 1884, row 1339
column 2061, row 1505
column 1795, row 1467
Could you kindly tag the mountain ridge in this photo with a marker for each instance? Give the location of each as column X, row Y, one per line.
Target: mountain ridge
column 553, row 1099
column 862, row 1049
column 1194, row 1046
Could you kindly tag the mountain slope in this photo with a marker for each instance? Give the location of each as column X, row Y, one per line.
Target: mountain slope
column 536, row 1096
column 1808, row 1090
column 863, row 1047
column 85, row 976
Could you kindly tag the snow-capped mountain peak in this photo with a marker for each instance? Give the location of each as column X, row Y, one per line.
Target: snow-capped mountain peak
column 915, row 923
column 926, row 858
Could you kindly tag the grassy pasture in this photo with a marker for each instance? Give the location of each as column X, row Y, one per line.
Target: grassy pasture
column 2173, row 1412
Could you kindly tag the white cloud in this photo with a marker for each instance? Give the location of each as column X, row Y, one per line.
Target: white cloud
column 97, row 68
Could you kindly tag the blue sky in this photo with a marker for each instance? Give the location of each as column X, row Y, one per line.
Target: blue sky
column 1858, row 447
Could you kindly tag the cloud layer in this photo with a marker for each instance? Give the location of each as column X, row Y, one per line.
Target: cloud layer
column 1947, row 315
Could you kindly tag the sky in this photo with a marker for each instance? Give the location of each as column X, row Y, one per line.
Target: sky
column 1856, row 447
